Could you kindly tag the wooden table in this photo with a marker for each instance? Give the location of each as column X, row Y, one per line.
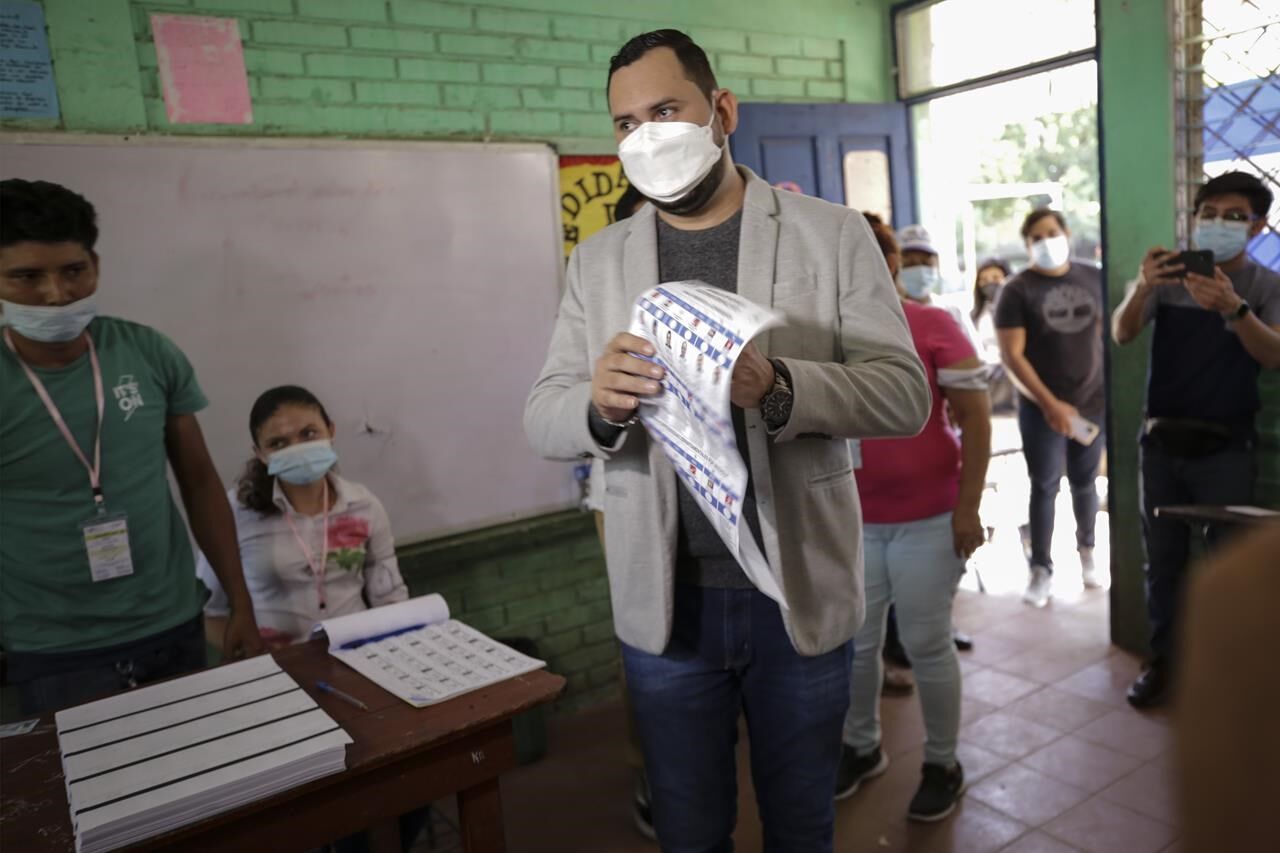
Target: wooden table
column 403, row 758
column 1207, row 514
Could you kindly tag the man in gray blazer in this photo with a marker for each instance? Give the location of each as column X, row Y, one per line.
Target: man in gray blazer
column 700, row 644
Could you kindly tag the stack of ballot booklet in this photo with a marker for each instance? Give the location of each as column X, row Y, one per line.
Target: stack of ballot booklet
column 152, row 760
column 416, row 652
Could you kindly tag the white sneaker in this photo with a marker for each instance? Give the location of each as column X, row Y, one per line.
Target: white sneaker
column 1040, row 589
column 1088, row 572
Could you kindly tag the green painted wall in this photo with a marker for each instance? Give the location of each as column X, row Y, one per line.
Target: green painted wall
column 516, row 69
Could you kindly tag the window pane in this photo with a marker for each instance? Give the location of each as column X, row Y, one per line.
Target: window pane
column 987, row 157
column 866, row 183
column 956, row 40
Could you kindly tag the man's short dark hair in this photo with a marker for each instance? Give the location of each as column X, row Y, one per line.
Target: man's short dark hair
column 43, row 212
column 692, row 58
column 1241, row 183
column 1040, row 213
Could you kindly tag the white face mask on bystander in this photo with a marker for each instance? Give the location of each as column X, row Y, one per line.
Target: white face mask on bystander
column 1050, row 252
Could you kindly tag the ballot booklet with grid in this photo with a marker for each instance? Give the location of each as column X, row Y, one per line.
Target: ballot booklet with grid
column 415, row 651
column 153, row 760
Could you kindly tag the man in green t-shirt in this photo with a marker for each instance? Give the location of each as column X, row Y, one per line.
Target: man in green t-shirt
column 98, row 591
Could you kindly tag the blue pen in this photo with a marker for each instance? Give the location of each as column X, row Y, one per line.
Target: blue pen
column 326, row 687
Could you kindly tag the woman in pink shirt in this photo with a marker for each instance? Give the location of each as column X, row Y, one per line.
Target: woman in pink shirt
column 920, row 499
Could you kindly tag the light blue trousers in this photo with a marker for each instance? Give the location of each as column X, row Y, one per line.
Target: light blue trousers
column 913, row 566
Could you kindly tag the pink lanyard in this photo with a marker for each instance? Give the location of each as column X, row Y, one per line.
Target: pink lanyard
column 317, row 568
column 95, row 470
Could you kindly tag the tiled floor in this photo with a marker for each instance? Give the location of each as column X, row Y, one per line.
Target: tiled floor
column 1056, row 761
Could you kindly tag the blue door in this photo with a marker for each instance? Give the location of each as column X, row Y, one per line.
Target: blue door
column 850, row 154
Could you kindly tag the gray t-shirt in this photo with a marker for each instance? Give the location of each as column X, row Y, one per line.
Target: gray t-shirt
column 710, row 256
column 1062, row 316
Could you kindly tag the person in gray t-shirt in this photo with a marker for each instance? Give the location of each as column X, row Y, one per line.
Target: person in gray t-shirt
column 1049, row 325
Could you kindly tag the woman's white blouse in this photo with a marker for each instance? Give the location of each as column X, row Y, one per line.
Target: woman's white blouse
column 360, row 562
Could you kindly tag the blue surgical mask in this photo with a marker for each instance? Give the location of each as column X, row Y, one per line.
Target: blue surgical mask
column 1225, row 239
column 303, row 463
column 920, row 281
column 50, row 324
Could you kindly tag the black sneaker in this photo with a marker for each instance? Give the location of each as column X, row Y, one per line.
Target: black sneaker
column 855, row 769
column 1151, row 689
column 938, row 793
column 642, row 809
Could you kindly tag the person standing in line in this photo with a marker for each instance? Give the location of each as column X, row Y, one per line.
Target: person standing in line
column 920, row 498
column 1049, row 325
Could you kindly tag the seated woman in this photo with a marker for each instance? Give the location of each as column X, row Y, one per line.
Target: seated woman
column 313, row 544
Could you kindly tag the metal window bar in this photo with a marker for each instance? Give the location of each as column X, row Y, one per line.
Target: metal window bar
column 1239, row 120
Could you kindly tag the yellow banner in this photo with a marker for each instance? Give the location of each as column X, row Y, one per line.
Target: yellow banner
column 589, row 191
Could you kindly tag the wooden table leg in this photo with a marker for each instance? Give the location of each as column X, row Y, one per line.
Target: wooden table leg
column 480, row 818
column 384, row 836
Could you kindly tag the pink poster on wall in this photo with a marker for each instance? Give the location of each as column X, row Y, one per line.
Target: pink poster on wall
column 202, row 70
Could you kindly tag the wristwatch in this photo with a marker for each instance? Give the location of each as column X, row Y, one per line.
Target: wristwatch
column 775, row 406
column 1240, row 313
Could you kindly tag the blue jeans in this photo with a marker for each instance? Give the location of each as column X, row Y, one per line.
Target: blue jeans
column 914, row 565
column 1045, row 450
column 1224, row 479
column 47, row 681
column 729, row 654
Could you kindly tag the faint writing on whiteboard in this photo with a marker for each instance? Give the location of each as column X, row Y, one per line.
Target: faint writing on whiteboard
column 202, row 70
column 27, row 88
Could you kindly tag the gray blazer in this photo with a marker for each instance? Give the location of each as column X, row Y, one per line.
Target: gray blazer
column 855, row 375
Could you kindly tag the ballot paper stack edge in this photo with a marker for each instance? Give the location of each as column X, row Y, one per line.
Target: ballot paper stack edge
column 153, row 760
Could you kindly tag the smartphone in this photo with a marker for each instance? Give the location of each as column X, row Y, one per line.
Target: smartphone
column 1199, row 262
column 1084, row 431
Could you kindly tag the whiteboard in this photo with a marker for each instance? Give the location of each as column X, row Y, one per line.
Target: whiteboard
column 411, row 286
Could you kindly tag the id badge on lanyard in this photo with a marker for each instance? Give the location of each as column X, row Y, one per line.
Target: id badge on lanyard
column 106, row 535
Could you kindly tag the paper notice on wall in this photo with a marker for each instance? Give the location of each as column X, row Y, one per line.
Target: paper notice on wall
column 27, row 88
column 699, row 332
column 202, row 70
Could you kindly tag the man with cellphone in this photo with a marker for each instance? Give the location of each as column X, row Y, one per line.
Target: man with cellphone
column 1214, row 330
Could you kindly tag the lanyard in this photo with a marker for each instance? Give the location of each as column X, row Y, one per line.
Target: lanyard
column 317, row 568
column 95, row 470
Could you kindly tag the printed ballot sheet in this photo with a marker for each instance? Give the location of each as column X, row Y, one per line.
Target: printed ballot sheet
column 413, row 650
column 155, row 759
column 699, row 332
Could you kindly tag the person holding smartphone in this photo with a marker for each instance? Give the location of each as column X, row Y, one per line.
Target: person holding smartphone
column 1212, row 336
column 1049, row 327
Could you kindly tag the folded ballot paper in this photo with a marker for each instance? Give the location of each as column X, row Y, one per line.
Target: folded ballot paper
column 698, row 332
column 155, row 759
column 415, row 651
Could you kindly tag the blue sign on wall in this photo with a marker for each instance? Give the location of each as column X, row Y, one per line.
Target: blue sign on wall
column 27, row 88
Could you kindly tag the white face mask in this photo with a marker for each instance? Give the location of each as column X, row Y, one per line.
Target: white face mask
column 667, row 159
column 49, row 323
column 1051, row 252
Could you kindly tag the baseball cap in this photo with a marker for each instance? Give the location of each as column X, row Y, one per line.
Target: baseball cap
column 915, row 238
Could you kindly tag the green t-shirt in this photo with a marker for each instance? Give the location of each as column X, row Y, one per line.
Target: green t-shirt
column 48, row 600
